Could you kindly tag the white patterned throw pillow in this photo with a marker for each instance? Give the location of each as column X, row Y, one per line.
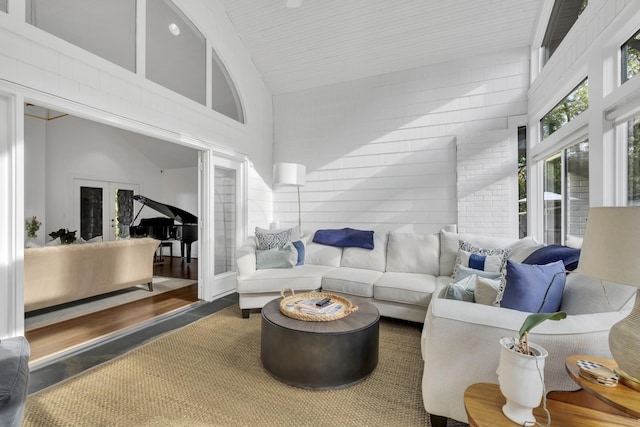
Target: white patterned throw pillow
column 270, row 239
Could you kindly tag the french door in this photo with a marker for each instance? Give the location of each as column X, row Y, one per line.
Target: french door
column 103, row 208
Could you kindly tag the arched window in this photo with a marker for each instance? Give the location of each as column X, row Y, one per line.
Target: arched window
column 224, row 97
column 175, row 51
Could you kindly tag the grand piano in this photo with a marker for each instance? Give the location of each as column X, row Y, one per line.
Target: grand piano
column 165, row 229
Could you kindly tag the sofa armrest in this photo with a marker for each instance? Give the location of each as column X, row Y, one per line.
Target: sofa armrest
column 460, row 347
column 246, row 259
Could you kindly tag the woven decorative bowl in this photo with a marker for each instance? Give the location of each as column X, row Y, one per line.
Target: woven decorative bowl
column 289, row 308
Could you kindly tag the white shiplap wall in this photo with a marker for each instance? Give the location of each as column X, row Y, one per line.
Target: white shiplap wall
column 381, row 152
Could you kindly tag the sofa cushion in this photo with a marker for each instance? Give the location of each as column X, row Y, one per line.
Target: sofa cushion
column 462, row 272
column 551, row 253
column 481, row 262
column 370, row 259
column 450, row 243
column 413, row 253
column 497, row 257
column 299, row 245
column 462, row 290
column 286, row 257
column 315, row 253
column 352, row 281
column 405, row 288
column 304, row 277
column 345, row 238
column 486, row 290
column 526, row 287
column 269, row 239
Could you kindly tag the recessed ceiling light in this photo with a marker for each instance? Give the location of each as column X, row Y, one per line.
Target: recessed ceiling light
column 292, row 4
column 174, row 29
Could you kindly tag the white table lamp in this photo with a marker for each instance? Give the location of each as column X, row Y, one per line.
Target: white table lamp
column 610, row 252
column 290, row 175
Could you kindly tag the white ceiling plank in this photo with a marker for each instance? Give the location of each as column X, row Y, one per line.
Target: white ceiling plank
column 328, row 41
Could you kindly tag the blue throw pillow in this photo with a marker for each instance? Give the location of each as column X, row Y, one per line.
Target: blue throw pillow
column 300, row 248
column 551, row 253
column 345, row 238
column 526, row 286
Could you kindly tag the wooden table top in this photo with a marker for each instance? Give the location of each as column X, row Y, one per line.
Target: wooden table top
column 620, row 397
column 483, row 403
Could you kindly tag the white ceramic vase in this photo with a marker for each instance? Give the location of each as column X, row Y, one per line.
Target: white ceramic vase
column 521, row 379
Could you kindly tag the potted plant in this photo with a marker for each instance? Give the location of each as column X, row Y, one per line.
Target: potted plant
column 31, row 226
column 521, row 370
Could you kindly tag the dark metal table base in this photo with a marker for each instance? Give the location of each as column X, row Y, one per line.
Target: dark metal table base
column 320, row 355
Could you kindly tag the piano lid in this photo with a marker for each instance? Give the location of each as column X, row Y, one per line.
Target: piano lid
column 171, row 211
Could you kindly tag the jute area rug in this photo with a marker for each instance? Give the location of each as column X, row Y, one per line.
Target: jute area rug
column 209, row 374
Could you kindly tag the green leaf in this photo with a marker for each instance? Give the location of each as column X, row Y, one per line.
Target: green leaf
column 535, row 319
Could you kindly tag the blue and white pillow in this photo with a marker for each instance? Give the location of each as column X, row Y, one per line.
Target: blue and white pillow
column 482, row 259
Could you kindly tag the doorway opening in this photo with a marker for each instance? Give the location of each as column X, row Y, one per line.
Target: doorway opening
column 82, row 175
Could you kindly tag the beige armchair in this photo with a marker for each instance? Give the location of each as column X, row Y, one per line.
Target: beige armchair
column 460, row 340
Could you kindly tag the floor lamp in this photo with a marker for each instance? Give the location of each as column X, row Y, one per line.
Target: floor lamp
column 610, row 252
column 290, row 175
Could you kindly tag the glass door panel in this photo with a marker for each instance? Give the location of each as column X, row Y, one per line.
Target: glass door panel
column 91, row 212
column 552, row 200
column 224, row 219
column 103, row 209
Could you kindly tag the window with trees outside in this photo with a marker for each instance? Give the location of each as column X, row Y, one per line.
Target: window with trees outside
column 566, row 110
column 566, row 193
column 633, row 162
column 630, row 57
column 522, row 181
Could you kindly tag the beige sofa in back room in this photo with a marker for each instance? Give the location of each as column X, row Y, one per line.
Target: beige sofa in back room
column 58, row 274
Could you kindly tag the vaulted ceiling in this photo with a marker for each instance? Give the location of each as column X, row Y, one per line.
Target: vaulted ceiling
column 328, row 41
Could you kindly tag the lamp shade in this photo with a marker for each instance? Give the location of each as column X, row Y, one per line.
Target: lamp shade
column 289, row 174
column 611, row 245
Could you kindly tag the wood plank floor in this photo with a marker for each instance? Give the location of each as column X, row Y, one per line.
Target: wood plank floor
column 52, row 339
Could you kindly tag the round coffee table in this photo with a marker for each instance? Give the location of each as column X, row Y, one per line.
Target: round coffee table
column 320, row 355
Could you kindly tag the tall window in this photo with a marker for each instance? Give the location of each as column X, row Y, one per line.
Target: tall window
column 564, row 14
column 633, row 162
column 566, row 193
column 522, row 180
column 566, row 110
column 105, row 28
column 630, row 57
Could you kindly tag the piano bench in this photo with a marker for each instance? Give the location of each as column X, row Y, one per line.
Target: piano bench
column 160, row 251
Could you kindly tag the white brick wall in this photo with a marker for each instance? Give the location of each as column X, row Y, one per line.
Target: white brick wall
column 380, row 152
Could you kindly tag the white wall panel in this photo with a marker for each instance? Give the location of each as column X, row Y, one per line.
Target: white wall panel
column 381, row 152
column 41, row 68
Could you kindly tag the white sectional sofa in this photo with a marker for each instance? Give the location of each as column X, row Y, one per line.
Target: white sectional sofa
column 407, row 276
column 399, row 275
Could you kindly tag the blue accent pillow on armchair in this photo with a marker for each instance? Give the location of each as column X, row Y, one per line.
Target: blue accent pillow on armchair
column 526, row 287
column 345, row 238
